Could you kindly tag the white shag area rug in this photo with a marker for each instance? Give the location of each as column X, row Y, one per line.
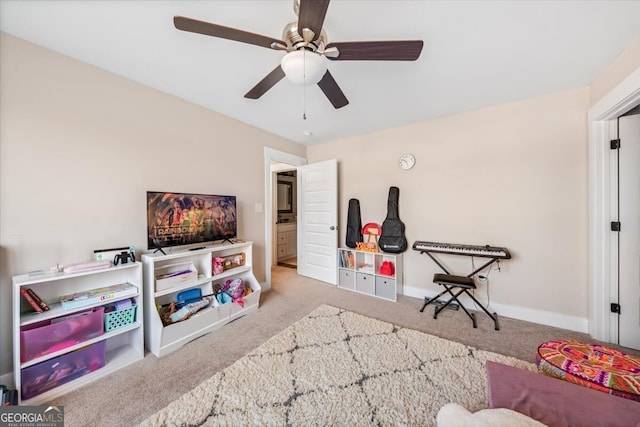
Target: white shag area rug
column 338, row 368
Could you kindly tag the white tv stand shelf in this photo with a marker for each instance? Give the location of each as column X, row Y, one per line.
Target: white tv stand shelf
column 161, row 339
column 360, row 271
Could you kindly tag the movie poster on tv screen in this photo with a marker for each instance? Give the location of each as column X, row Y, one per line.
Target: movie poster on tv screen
column 183, row 219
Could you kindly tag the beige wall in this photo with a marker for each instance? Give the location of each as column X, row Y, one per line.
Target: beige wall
column 624, row 64
column 79, row 148
column 514, row 175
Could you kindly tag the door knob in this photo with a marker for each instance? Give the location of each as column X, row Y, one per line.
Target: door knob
column 332, row 228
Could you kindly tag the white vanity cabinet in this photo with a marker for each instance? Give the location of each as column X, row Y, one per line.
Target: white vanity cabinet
column 287, row 241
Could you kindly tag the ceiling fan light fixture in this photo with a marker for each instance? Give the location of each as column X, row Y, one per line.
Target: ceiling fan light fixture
column 303, row 67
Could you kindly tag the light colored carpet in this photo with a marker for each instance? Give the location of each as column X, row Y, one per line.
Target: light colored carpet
column 336, row 367
column 145, row 387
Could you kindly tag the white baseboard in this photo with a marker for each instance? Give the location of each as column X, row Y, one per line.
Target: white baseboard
column 558, row 320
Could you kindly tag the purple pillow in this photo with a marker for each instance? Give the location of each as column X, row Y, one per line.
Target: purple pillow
column 555, row 402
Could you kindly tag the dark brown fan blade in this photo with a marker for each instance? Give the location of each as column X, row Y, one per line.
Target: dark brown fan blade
column 390, row 50
column 311, row 15
column 265, row 84
column 333, row 91
column 215, row 30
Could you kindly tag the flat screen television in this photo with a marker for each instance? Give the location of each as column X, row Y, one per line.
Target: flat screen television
column 175, row 219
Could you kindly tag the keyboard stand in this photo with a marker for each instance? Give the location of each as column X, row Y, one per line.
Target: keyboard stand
column 461, row 285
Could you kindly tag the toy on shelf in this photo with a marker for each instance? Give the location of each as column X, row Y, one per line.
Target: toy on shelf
column 371, row 231
column 365, row 267
column 387, row 268
column 170, row 315
column 221, row 264
column 232, row 291
column 364, row 247
column 218, row 267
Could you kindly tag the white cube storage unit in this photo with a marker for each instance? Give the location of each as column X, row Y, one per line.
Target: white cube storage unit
column 162, row 339
column 376, row 274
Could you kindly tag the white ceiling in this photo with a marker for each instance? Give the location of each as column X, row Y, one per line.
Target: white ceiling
column 476, row 54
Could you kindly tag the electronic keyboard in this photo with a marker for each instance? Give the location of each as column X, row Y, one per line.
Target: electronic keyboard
column 457, row 249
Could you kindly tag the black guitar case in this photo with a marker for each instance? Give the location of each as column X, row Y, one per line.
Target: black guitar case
column 354, row 224
column 392, row 239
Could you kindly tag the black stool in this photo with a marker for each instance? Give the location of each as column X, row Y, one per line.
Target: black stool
column 462, row 284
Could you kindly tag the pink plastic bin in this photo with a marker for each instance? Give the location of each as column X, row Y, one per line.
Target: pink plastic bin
column 41, row 338
column 51, row 373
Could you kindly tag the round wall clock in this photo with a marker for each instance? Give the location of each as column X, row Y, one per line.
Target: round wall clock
column 407, row 161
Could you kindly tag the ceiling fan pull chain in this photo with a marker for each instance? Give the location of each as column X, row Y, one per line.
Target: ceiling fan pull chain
column 304, row 103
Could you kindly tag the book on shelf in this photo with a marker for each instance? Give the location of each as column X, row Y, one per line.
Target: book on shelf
column 30, row 300
column 98, row 295
column 174, row 274
column 12, row 398
column 8, row 396
column 347, row 259
column 43, row 305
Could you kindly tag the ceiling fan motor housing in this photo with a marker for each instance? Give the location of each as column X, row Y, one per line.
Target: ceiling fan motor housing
column 293, row 37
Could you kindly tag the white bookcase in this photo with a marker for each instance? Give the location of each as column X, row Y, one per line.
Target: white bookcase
column 161, row 339
column 117, row 348
column 360, row 271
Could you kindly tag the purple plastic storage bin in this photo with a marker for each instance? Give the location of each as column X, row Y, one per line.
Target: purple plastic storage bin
column 41, row 338
column 51, row 373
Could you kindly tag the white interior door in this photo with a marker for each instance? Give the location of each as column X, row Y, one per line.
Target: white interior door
column 629, row 235
column 318, row 220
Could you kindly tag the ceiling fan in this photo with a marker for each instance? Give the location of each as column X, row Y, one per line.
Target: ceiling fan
column 306, row 45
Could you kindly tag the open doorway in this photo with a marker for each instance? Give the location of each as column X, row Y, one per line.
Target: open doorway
column 316, row 217
column 275, row 162
column 286, row 199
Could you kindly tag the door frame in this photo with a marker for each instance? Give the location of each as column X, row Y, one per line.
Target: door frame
column 624, row 324
column 273, row 155
column 621, row 99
